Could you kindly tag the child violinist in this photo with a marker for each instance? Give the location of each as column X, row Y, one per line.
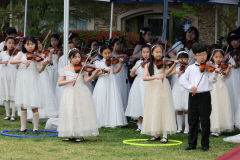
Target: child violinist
column 8, row 78
column 10, row 32
column 199, row 83
column 180, row 94
column 27, row 82
column 55, row 44
column 48, row 103
column 159, row 115
column 135, row 105
column 122, row 75
column 77, row 115
column 106, row 94
column 233, row 79
column 221, row 116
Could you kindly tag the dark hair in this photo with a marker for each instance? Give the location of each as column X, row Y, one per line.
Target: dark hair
column 26, row 39
column 9, row 37
column 146, row 46
column 182, row 55
column 233, row 36
column 152, row 59
column 112, row 41
column 70, row 42
column 196, row 32
column 73, row 52
column 72, row 35
column 214, row 48
column 142, row 33
column 11, row 30
column 105, row 46
column 94, row 41
column 198, row 47
column 56, row 36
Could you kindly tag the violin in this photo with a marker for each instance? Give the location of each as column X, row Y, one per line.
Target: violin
column 210, row 68
column 13, row 52
column 183, row 66
column 46, row 52
column 57, row 50
column 224, row 66
column 145, row 62
column 37, row 56
column 87, row 68
column 112, row 60
column 168, row 62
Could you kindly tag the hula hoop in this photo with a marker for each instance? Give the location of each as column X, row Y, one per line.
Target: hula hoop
column 32, row 136
column 130, row 142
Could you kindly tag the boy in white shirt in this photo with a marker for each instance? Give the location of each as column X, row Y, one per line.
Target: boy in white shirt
column 199, row 85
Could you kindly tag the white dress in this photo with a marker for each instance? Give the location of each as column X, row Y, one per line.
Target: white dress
column 77, row 115
column 123, row 83
column 1, row 49
column 53, row 72
column 48, row 101
column 107, row 99
column 135, row 107
column 159, row 114
column 59, row 89
column 27, row 93
column 221, row 116
column 233, row 86
column 7, row 78
column 180, row 94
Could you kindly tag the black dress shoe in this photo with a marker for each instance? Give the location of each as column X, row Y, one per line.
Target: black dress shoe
column 36, row 132
column 19, row 130
column 68, row 139
column 204, row 149
column 154, row 139
column 189, row 148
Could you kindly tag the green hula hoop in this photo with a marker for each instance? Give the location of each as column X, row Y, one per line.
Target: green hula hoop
column 131, row 142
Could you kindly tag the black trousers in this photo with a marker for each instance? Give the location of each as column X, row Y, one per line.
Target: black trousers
column 199, row 108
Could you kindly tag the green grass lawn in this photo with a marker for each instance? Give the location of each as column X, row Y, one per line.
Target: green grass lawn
column 108, row 145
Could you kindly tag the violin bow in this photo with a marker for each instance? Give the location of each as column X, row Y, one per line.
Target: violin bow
column 45, row 39
column 83, row 66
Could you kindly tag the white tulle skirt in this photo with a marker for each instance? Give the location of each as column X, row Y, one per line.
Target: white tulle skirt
column 77, row 115
column 135, row 107
column 27, row 93
column 234, row 93
column 221, row 116
column 159, row 114
column 7, row 83
column 108, row 102
column 180, row 97
column 48, row 101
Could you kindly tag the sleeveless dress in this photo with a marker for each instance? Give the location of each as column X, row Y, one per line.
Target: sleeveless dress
column 77, row 115
column 159, row 114
column 107, row 99
column 135, row 107
column 221, row 116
